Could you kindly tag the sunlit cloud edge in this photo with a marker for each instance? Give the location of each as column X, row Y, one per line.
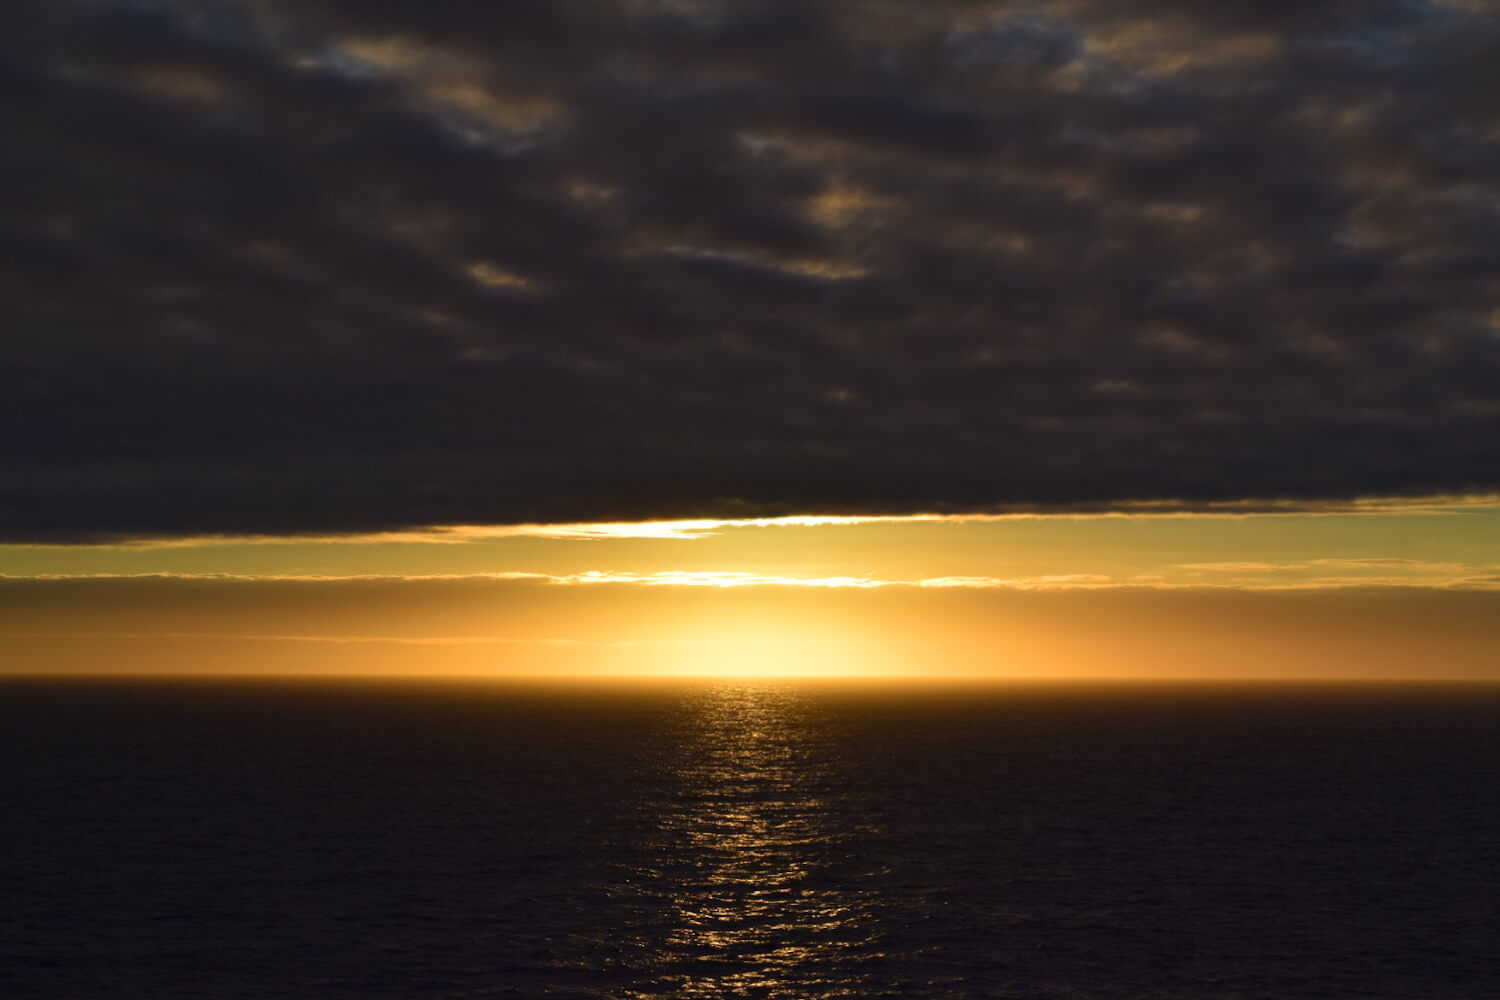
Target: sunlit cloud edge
column 689, row 529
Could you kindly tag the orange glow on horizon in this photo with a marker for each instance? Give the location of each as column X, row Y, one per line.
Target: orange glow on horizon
column 1412, row 596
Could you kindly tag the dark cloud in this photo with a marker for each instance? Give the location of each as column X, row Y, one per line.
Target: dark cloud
column 325, row 265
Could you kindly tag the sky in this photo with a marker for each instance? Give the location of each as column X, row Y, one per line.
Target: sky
column 1005, row 339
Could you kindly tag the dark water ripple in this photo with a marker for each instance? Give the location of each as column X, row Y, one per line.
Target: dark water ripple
column 254, row 840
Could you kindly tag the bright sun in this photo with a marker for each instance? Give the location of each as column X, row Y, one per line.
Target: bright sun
column 769, row 649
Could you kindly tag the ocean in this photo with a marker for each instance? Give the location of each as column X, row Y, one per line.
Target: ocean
column 264, row 839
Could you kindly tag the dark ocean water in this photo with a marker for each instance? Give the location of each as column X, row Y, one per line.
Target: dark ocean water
column 272, row 840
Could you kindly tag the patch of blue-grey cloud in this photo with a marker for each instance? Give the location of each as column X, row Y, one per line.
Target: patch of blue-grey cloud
column 330, row 265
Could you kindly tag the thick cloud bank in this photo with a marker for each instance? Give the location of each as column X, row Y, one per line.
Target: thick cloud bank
column 294, row 265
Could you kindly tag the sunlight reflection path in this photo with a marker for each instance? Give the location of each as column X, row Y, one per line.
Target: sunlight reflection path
column 759, row 859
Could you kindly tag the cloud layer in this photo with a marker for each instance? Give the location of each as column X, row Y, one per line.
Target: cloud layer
column 329, row 265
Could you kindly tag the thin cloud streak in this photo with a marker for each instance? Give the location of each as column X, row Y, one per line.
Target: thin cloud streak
column 394, row 640
column 1462, row 578
column 699, row 528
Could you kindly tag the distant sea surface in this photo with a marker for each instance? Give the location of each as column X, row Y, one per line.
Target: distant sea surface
column 398, row 840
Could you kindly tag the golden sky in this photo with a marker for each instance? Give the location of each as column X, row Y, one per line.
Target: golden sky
column 1378, row 591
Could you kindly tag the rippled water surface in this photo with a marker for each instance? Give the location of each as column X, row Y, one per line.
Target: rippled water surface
column 175, row 840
